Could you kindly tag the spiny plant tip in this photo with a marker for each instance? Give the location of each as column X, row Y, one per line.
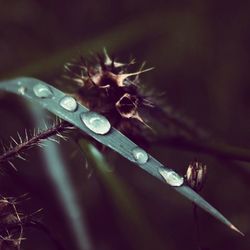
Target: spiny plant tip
column 34, row 138
column 236, row 230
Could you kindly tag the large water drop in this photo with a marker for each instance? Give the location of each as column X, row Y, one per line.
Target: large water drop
column 42, row 91
column 69, row 103
column 171, row 177
column 140, row 155
column 96, row 122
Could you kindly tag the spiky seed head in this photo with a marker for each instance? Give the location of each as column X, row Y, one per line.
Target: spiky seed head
column 109, row 88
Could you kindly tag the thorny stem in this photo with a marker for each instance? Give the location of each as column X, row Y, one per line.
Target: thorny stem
column 37, row 138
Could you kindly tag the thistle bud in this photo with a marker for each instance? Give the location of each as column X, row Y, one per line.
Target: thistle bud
column 196, row 175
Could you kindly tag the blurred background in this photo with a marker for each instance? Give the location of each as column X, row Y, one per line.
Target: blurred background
column 200, row 51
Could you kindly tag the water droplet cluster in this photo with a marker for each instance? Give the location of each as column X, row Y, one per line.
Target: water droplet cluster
column 95, row 122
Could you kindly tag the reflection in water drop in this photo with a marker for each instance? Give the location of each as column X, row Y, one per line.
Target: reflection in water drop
column 140, row 155
column 22, row 90
column 69, row 103
column 42, row 91
column 96, row 122
column 171, row 177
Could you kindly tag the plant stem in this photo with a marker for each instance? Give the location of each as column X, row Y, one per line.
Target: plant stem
column 22, row 145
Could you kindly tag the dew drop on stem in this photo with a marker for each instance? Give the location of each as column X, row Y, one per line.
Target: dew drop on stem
column 171, row 177
column 140, row 155
column 96, row 123
column 42, row 91
column 69, row 103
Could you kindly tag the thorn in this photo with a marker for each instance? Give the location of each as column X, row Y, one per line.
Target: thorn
column 54, row 140
column 12, row 165
column 22, row 197
column 79, row 81
column 120, row 78
column 20, row 157
column 138, row 117
column 26, row 135
column 68, row 65
column 140, row 69
column 148, row 103
column 20, row 138
column 31, row 144
column 108, row 61
column 57, row 120
column 36, row 212
column 4, row 148
column 14, row 140
column 71, row 127
column 236, row 230
column 119, row 65
column 61, row 136
column 45, row 124
column 40, row 144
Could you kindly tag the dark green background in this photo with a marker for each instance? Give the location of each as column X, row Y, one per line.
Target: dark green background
column 200, row 51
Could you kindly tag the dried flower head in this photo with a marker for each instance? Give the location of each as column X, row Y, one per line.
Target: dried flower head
column 196, row 175
column 11, row 220
column 107, row 87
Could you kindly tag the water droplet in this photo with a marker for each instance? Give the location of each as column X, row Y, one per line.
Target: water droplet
column 22, row 90
column 96, row 122
column 69, row 103
column 42, row 91
column 171, row 177
column 140, row 155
